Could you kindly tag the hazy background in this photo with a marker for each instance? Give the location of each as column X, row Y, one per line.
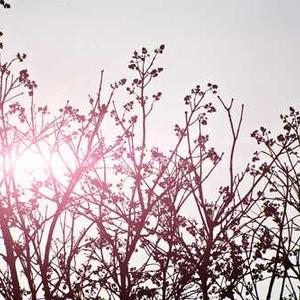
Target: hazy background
column 249, row 48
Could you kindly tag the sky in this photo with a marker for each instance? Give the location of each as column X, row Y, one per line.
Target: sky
column 250, row 48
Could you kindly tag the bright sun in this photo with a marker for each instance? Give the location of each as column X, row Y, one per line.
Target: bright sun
column 31, row 166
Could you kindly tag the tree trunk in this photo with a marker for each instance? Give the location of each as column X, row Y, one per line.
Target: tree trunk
column 11, row 260
column 124, row 292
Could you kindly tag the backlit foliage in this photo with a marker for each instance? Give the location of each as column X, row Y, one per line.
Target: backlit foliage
column 111, row 216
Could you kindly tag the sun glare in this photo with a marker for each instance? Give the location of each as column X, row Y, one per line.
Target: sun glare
column 31, row 166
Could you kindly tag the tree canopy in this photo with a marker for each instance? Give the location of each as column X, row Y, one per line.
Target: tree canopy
column 91, row 208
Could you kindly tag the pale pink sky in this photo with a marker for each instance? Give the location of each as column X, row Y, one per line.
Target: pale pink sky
column 250, row 48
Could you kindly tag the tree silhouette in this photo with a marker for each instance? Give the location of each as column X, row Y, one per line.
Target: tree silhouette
column 107, row 215
column 4, row 4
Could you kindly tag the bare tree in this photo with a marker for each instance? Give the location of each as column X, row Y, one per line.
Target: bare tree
column 276, row 239
column 111, row 216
